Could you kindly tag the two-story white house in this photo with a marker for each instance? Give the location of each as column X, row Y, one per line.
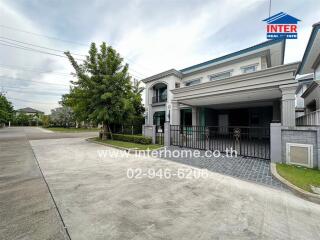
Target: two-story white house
column 250, row 87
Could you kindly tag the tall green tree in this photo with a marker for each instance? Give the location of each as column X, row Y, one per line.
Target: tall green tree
column 6, row 110
column 102, row 93
column 137, row 90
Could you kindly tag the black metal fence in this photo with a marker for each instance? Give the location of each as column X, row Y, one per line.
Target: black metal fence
column 160, row 135
column 127, row 129
column 247, row 141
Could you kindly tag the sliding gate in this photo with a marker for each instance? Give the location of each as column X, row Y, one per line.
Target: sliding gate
column 247, row 141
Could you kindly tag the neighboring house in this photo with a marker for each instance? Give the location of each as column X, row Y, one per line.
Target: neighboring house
column 304, row 82
column 29, row 111
column 311, row 65
column 250, row 87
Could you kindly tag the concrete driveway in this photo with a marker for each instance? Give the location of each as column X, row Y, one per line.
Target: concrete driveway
column 98, row 201
column 27, row 210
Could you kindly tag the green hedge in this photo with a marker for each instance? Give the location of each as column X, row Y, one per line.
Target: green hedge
column 132, row 138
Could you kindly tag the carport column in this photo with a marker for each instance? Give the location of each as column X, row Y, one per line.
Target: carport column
column 175, row 113
column 288, row 116
column 194, row 116
column 167, row 134
column 275, row 142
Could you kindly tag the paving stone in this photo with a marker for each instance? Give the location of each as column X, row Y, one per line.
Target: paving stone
column 247, row 168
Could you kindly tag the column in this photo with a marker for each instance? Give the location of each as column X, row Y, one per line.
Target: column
column 275, row 143
column 288, row 108
column 175, row 113
column 195, row 116
column 317, row 103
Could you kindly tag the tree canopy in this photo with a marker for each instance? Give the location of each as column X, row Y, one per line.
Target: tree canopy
column 103, row 91
column 6, row 110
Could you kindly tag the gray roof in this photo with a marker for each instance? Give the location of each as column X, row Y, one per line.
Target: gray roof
column 183, row 72
column 28, row 110
column 163, row 74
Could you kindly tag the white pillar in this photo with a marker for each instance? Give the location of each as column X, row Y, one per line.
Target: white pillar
column 317, row 103
column 288, row 108
column 175, row 113
column 275, row 143
column 194, row 116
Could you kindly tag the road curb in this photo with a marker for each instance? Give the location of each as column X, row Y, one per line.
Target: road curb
column 296, row 190
column 129, row 150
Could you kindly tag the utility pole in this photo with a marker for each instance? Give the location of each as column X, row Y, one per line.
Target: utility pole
column 270, row 8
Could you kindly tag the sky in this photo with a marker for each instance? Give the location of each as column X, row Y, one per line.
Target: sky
column 151, row 35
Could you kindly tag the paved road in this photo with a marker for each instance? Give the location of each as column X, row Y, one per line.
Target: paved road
column 26, row 208
column 98, row 201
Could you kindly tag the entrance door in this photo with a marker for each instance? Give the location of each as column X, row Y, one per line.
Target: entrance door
column 223, row 122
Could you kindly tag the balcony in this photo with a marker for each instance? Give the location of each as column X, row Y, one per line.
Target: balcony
column 310, row 119
column 159, row 99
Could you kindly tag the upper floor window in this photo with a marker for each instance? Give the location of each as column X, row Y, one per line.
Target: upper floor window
column 192, row 82
column 159, row 93
column 249, row 69
column 220, row 76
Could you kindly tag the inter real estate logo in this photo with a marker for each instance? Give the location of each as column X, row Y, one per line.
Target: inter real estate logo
column 282, row 26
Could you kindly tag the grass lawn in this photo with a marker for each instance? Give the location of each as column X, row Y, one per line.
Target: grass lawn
column 60, row 129
column 129, row 144
column 300, row 176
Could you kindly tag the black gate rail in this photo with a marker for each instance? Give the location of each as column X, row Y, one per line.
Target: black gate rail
column 247, row 141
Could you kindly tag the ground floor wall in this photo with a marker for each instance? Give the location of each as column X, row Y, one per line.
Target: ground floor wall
column 282, row 136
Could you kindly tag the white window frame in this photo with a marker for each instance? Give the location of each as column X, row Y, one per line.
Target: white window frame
column 192, row 80
column 216, row 75
column 249, row 66
column 310, row 152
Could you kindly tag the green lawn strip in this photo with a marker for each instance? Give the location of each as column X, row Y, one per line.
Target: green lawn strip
column 129, row 144
column 74, row 129
column 300, row 176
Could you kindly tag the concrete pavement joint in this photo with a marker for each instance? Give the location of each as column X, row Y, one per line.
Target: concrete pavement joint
column 54, row 201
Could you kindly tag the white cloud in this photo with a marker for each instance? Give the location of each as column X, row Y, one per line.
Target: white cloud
column 152, row 35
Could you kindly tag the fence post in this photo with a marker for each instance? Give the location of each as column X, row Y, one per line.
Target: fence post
column 131, row 129
column 167, row 134
column 154, row 134
column 275, row 143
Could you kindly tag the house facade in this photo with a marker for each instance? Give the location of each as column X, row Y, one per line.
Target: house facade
column 250, row 87
column 248, row 100
column 29, row 111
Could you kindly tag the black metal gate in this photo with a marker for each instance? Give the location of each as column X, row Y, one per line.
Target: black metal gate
column 247, row 141
column 160, row 135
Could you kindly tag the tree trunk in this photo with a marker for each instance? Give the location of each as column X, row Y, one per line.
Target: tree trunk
column 110, row 132
column 105, row 128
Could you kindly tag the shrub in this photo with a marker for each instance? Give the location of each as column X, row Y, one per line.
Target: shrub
column 132, row 138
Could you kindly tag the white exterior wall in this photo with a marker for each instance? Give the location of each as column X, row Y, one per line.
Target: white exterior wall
column 236, row 70
column 317, row 73
column 170, row 81
column 299, row 99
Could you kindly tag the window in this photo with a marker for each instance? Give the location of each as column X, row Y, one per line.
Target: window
column 220, row 76
column 249, row 69
column 177, row 85
column 192, row 82
column 159, row 118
